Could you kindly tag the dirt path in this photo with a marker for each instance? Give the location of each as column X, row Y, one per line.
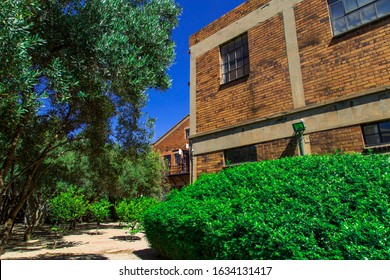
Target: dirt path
column 111, row 242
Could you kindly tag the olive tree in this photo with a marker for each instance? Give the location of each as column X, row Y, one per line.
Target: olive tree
column 68, row 70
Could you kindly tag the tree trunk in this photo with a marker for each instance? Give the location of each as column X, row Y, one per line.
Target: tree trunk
column 72, row 225
column 8, row 225
column 5, row 190
column 9, row 222
column 32, row 215
column 25, row 193
column 11, row 154
column 27, row 233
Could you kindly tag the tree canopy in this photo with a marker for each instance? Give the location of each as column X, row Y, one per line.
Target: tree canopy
column 69, row 70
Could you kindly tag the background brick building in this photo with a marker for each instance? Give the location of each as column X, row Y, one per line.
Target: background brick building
column 269, row 64
column 174, row 147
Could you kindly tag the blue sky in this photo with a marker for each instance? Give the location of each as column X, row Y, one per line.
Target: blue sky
column 173, row 105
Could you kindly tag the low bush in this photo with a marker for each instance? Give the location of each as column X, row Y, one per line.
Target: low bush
column 131, row 211
column 311, row 207
column 67, row 207
column 100, row 210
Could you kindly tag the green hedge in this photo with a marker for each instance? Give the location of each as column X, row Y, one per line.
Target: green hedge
column 311, row 207
column 130, row 212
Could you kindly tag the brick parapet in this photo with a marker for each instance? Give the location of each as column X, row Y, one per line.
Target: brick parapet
column 232, row 16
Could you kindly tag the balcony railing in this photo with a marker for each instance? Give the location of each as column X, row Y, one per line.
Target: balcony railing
column 179, row 169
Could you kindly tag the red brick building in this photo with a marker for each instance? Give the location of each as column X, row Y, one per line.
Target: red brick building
column 174, row 147
column 269, row 64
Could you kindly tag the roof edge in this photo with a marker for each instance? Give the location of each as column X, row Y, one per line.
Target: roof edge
column 171, row 130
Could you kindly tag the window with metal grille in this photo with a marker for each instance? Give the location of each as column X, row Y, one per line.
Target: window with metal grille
column 346, row 15
column 235, row 59
column 376, row 134
column 241, row 155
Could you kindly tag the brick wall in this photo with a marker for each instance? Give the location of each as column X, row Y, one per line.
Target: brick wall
column 174, row 140
column 266, row 91
column 237, row 13
column 209, row 163
column 277, row 149
column 333, row 67
column 348, row 139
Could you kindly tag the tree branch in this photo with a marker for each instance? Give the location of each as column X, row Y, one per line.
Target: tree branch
column 11, row 152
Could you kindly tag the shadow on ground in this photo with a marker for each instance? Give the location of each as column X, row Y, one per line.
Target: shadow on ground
column 42, row 237
column 91, row 229
column 63, row 244
column 65, row 257
column 148, row 254
column 126, row 238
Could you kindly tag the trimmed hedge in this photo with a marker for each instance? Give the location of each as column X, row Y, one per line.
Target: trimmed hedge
column 311, row 207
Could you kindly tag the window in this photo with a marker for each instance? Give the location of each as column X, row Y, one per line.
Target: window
column 187, row 133
column 177, row 159
column 346, row 15
column 186, row 161
column 377, row 134
column 241, row 155
column 235, row 59
column 168, row 160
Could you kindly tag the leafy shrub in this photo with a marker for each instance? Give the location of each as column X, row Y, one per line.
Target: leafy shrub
column 100, row 210
column 68, row 207
column 131, row 211
column 312, row 207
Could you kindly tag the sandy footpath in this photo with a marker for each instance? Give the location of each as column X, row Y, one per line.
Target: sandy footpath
column 111, row 242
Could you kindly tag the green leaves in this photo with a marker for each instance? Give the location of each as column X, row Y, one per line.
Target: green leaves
column 93, row 60
column 69, row 70
column 79, row 49
column 68, row 207
column 131, row 212
column 312, row 207
column 62, row 83
column 100, row 210
column 135, row 47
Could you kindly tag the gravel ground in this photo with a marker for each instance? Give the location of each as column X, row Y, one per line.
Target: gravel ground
column 110, row 242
